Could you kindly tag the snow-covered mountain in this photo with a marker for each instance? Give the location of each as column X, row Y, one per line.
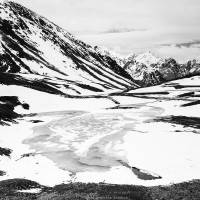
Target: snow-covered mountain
column 148, row 70
column 103, row 51
column 146, row 58
column 36, row 53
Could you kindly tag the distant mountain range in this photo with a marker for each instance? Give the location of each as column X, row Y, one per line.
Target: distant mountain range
column 147, row 70
column 150, row 70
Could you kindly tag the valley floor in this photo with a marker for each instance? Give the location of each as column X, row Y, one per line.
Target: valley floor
column 141, row 141
column 112, row 146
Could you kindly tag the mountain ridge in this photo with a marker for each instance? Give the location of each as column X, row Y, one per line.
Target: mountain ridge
column 149, row 70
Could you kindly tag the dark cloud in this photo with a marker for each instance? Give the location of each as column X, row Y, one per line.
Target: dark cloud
column 107, row 31
column 121, row 30
column 185, row 44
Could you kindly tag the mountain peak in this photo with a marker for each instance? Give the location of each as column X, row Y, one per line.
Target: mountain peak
column 9, row 3
column 147, row 58
column 148, row 52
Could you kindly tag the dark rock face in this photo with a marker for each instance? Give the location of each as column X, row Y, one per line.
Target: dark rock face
column 5, row 152
column 2, row 173
column 19, row 184
column 7, row 105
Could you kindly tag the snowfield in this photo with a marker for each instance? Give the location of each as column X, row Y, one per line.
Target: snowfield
column 78, row 140
column 44, row 102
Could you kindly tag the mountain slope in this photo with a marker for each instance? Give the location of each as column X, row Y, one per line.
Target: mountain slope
column 103, row 51
column 30, row 44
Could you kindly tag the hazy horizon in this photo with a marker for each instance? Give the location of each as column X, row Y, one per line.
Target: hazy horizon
column 167, row 28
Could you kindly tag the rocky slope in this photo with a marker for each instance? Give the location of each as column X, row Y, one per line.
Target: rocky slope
column 103, row 51
column 34, row 51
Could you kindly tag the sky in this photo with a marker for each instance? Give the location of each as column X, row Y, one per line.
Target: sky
column 168, row 28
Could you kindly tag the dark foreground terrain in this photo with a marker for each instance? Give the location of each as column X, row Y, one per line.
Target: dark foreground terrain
column 9, row 189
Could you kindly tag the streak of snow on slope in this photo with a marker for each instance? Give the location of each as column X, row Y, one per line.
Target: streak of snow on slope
column 44, row 102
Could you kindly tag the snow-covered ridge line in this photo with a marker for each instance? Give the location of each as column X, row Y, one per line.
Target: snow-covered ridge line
column 149, row 70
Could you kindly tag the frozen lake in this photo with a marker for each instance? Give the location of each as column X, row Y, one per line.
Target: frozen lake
column 119, row 146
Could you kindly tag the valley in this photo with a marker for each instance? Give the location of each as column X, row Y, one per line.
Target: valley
column 75, row 115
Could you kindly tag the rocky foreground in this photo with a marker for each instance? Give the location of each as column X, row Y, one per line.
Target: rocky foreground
column 21, row 189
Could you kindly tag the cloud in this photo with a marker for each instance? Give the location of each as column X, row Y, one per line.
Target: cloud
column 109, row 31
column 181, row 54
column 185, row 44
column 121, row 30
column 100, row 15
column 140, row 42
column 119, row 23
